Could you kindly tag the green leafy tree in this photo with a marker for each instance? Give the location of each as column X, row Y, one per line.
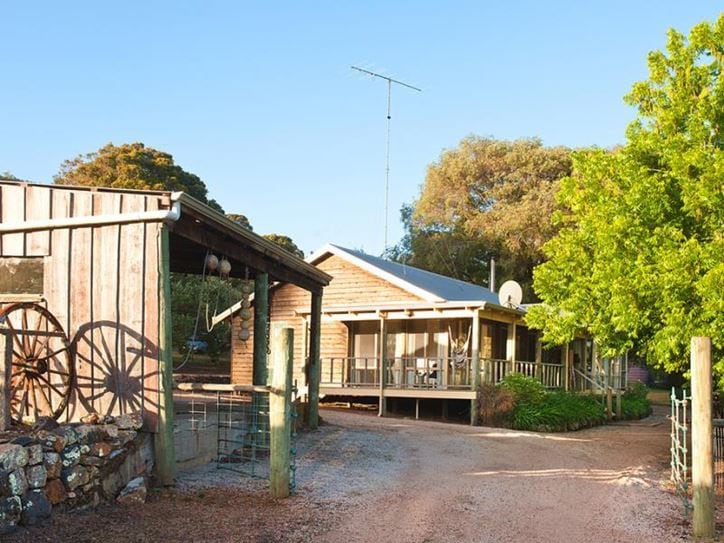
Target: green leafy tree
column 194, row 297
column 240, row 219
column 485, row 198
column 7, row 175
column 132, row 166
column 286, row 243
column 639, row 259
column 447, row 251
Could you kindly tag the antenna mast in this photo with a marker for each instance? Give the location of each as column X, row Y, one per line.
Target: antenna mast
column 390, row 81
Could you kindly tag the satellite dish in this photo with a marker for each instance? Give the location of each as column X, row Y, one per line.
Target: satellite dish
column 510, row 294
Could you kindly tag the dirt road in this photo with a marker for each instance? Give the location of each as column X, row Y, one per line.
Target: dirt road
column 364, row 479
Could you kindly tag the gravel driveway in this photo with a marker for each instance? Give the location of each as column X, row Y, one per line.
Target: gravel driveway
column 364, row 479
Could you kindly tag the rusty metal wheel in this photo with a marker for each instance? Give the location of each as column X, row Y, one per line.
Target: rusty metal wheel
column 43, row 373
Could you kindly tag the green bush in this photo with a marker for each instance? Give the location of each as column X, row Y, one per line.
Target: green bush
column 559, row 412
column 635, row 403
column 525, row 390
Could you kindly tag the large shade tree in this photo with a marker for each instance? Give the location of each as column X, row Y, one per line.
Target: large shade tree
column 132, row 166
column 485, row 198
column 639, row 260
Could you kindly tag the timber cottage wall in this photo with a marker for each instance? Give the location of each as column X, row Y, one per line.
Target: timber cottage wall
column 350, row 285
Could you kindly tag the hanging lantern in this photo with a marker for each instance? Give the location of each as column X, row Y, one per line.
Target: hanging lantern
column 212, row 262
column 224, row 268
column 245, row 314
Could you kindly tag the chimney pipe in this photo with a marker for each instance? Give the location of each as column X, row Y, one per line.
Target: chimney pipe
column 491, row 283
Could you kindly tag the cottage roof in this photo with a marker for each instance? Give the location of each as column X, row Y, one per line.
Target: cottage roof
column 429, row 286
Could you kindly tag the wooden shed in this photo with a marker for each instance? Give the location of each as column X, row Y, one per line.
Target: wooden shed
column 84, row 275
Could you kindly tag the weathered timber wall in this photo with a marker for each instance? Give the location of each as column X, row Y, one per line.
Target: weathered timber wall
column 101, row 283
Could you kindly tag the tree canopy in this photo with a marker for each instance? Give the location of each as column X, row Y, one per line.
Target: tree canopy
column 238, row 218
column 286, row 243
column 132, row 166
column 485, row 198
column 639, row 259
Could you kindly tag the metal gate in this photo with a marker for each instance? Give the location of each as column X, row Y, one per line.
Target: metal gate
column 243, row 436
column 680, row 441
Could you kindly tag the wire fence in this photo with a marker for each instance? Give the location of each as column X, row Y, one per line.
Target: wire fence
column 680, row 446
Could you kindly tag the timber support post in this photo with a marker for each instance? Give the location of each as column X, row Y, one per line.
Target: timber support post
column 6, row 360
column 314, row 369
column 260, row 372
column 280, row 414
column 382, row 411
column 609, row 403
column 510, row 346
column 702, row 456
column 566, row 367
column 619, row 408
column 164, row 443
column 475, row 367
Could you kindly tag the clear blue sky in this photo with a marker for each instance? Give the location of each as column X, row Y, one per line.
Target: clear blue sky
column 259, row 101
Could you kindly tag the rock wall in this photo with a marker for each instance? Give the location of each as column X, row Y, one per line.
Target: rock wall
column 70, row 466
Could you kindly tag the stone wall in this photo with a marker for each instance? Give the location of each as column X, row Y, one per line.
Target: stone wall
column 70, row 466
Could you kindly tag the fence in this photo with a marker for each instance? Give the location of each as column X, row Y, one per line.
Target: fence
column 680, row 446
column 230, row 425
column 431, row 373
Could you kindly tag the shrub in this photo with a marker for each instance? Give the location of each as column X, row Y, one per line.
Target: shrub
column 495, row 405
column 635, row 403
column 559, row 412
column 525, row 390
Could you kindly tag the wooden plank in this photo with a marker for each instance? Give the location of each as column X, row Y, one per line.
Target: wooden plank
column 702, row 454
column 12, row 209
column 150, row 315
column 129, row 363
column 315, row 365
column 475, row 377
column 164, row 443
column 6, row 354
column 80, row 316
column 280, row 410
column 37, row 204
column 57, row 266
column 105, row 329
column 261, row 320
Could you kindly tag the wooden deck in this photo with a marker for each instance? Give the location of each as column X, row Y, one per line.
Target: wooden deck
column 419, row 393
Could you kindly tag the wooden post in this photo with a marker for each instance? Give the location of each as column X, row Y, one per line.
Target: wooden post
column 315, row 365
column 609, row 403
column 566, row 366
column 618, row 405
column 6, row 360
column 280, row 410
column 510, row 346
column 475, row 365
column 164, row 445
column 702, row 456
column 260, row 372
column 382, row 352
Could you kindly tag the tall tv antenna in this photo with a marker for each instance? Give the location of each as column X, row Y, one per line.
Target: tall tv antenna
column 390, row 81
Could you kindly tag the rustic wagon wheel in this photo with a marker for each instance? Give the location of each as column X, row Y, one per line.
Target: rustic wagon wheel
column 42, row 364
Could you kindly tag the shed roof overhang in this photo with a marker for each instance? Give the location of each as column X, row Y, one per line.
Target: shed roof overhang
column 200, row 229
column 195, row 229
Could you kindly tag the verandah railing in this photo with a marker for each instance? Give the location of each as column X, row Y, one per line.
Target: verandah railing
column 431, row 373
